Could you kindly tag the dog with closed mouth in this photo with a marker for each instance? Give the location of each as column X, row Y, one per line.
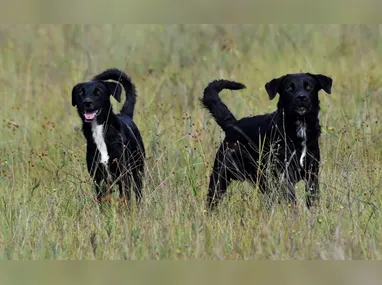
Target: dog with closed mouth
column 115, row 152
column 283, row 145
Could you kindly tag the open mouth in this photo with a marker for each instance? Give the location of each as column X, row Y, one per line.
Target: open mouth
column 91, row 115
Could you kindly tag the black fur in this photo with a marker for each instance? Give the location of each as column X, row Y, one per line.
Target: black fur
column 125, row 148
column 264, row 146
column 217, row 108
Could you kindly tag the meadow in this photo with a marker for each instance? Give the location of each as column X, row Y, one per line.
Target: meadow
column 47, row 206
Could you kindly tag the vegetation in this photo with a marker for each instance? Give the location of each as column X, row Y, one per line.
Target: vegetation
column 47, row 206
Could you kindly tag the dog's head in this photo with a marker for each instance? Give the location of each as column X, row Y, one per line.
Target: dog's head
column 299, row 92
column 92, row 99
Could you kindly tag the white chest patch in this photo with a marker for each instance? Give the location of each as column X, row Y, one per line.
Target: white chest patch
column 301, row 133
column 99, row 140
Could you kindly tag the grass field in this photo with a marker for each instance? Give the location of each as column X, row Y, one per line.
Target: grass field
column 47, row 207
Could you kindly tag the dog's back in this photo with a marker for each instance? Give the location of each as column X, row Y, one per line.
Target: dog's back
column 131, row 131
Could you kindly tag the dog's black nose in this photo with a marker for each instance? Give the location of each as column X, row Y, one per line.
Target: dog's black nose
column 302, row 98
column 88, row 102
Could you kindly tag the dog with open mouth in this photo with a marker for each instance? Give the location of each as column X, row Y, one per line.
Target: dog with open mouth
column 115, row 152
column 282, row 145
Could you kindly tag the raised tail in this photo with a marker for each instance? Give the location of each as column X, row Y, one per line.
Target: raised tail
column 215, row 106
column 121, row 77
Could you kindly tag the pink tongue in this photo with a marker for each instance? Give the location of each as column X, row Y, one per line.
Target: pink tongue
column 90, row 116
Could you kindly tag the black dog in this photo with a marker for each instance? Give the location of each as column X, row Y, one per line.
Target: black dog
column 115, row 151
column 282, row 145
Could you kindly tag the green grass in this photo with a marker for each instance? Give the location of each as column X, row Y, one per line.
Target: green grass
column 47, row 208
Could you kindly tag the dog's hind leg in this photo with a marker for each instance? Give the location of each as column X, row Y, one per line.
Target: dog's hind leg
column 220, row 178
column 219, row 183
column 131, row 182
column 138, row 184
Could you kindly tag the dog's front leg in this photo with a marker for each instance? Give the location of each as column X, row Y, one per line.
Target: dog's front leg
column 124, row 191
column 102, row 186
column 108, row 190
column 100, row 191
column 290, row 192
column 311, row 179
column 288, row 188
column 312, row 188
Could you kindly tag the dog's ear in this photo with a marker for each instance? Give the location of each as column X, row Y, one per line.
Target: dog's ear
column 272, row 87
column 324, row 81
column 75, row 91
column 115, row 89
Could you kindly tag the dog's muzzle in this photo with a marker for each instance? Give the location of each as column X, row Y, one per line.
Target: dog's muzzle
column 302, row 105
column 302, row 110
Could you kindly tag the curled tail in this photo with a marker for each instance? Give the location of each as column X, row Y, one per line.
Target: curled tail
column 215, row 106
column 121, row 77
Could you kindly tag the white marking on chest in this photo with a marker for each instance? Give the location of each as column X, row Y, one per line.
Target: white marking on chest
column 99, row 140
column 301, row 133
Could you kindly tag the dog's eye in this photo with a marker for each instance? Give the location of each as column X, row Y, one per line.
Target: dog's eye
column 289, row 88
column 81, row 93
column 308, row 87
column 98, row 93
